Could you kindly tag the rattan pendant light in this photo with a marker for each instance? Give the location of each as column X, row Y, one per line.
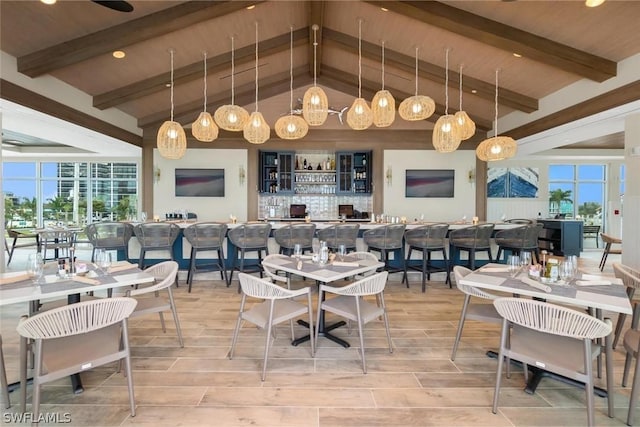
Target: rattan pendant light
column 383, row 105
column 359, row 116
column 466, row 125
column 256, row 130
column 204, row 128
column 315, row 105
column 231, row 117
column 498, row 147
column 290, row 126
column 446, row 132
column 171, row 139
column 417, row 107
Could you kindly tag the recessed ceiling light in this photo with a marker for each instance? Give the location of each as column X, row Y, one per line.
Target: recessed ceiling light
column 384, row 9
column 474, row 91
column 48, row 1
column 517, row 55
column 119, row 54
column 593, row 3
column 253, row 6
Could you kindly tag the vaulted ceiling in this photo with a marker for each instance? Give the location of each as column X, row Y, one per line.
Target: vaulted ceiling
column 557, row 43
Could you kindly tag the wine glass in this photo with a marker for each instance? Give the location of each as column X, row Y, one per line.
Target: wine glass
column 513, row 263
column 35, row 267
column 342, row 251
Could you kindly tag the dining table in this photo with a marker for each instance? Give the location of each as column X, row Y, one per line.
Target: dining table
column 593, row 292
column 332, row 271
column 17, row 287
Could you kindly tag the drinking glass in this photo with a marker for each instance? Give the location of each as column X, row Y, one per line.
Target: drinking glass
column 566, row 270
column 35, row 267
column 573, row 259
column 525, row 259
column 342, row 251
column 297, row 250
column 513, row 263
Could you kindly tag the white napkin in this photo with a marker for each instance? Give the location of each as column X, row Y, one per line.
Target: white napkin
column 345, row 264
column 592, row 277
column 18, row 276
column 495, row 269
column 535, row 284
column 593, row 282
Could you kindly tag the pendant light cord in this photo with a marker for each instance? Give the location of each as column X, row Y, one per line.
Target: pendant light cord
column 315, row 45
column 460, row 90
column 495, row 123
column 233, row 71
column 171, row 51
column 205, row 81
column 256, row 66
column 446, row 83
column 360, row 58
column 382, row 64
column 416, row 94
column 291, row 71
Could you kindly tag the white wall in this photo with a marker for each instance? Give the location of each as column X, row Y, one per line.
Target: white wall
column 434, row 209
column 630, row 223
column 207, row 208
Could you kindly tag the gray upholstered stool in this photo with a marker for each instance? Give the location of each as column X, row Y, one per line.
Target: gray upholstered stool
column 427, row 239
column 206, row 236
column 248, row 238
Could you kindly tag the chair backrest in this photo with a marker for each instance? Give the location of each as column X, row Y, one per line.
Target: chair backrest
column 460, row 272
column 74, row 319
column 369, row 285
column 257, row 287
column 58, row 238
column 609, row 239
column 340, row 234
column 427, row 236
column 475, row 236
column 206, row 235
column 109, row 234
column 272, row 273
column 552, row 319
column 629, row 276
column 250, row 235
column 519, row 221
column 157, row 234
column 291, row 234
column 386, row 236
column 165, row 274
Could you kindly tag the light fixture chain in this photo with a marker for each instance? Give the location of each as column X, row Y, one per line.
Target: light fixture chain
column 256, row 66
column 382, row 64
column 233, row 72
column 205, row 81
column 460, row 90
column 495, row 124
column 446, row 83
column 360, row 58
column 416, row 71
column 171, row 51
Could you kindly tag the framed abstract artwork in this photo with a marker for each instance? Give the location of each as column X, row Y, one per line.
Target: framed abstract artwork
column 199, row 182
column 429, row 183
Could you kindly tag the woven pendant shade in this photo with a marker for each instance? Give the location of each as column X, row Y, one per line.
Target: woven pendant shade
column 315, row 106
column 417, row 107
column 172, row 141
column 204, row 129
column 466, row 125
column 291, row 127
column 446, row 134
column 256, row 131
column 231, row 117
column 496, row 148
column 383, row 105
column 359, row 116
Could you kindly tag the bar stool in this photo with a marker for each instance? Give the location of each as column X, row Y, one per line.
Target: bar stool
column 519, row 239
column 290, row 235
column 206, row 236
column 476, row 238
column 109, row 236
column 248, row 238
column 156, row 236
column 340, row 234
column 427, row 239
column 385, row 239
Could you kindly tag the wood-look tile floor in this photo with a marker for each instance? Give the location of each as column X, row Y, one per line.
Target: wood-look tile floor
column 416, row 385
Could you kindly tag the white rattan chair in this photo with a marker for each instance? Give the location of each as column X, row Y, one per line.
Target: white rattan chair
column 631, row 279
column 475, row 311
column 273, row 274
column 3, row 378
column 350, row 304
column 75, row 338
column 278, row 306
column 555, row 338
column 152, row 302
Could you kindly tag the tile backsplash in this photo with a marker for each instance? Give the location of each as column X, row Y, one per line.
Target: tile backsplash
column 318, row 206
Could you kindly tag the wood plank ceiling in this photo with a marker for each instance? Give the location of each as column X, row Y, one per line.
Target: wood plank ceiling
column 558, row 43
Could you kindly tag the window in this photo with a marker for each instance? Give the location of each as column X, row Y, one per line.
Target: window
column 577, row 191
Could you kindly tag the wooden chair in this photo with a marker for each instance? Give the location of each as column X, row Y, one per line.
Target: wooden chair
column 591, row 231
column 609, row 241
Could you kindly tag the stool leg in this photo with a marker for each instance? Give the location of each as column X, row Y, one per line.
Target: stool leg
column 447, row 267
column 221, row 266
column 192, row 268
column 425, row 268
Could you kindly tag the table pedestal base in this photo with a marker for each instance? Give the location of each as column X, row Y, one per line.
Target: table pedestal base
column 325, row 333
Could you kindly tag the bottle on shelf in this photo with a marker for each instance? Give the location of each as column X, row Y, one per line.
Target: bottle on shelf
column 297, row 163
column 333, row 163
column 304, row 163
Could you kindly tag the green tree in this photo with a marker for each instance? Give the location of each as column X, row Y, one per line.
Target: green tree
column 123, row 208
column 557, row 196
column 8, row 209
column 589, row 209
column 58, row 205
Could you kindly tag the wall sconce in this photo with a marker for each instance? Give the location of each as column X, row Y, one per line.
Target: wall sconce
column 156, row 174
column 389, row 175
column 472, row 176
column 241, row 174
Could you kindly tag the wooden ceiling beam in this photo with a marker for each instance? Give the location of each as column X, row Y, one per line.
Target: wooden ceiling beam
column 316, row 17
column 193, row 71
column 505, row 37
column 274, row 85
column 135, row 31
column 433, row 72
column 344, row 82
